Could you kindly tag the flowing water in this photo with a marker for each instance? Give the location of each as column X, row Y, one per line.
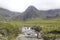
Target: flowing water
column 22, row 37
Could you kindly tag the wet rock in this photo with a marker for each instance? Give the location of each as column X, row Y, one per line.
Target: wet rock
column 57, row 39
column 23, row 37
column 1, row 37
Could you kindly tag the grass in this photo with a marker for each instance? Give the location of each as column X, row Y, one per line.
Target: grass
column 47, row 26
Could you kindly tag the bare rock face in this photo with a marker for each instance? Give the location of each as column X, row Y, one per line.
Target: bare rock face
column 57, row 39
column 1, row 37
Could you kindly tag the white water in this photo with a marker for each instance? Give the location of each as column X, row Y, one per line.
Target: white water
column 23, row 37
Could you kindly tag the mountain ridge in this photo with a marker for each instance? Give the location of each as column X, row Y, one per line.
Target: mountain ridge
column 29, row 13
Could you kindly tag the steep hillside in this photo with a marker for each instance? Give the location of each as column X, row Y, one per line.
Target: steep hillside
column 7, row 15
column 30, row 13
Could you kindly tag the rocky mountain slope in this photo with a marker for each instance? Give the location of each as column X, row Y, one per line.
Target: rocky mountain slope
column 31, row 12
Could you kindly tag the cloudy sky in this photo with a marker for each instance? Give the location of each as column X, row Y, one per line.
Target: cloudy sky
column 21, row 5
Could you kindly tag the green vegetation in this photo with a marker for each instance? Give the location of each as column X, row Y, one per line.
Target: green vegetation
column 12, row 27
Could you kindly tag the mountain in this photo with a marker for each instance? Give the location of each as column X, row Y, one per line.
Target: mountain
column 7, row 15
column 30, row 13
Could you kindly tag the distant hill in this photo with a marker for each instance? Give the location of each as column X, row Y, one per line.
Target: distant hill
column 31, row 12
column 7, row 15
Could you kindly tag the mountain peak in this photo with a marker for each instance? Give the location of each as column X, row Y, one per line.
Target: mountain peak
column 31, row 8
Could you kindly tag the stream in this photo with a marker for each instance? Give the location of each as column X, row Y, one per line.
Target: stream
column 23, row 37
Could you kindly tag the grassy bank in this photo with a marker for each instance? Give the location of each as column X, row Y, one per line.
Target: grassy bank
column 12, row 27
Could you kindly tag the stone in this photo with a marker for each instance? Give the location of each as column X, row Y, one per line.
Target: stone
column 57, row 39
